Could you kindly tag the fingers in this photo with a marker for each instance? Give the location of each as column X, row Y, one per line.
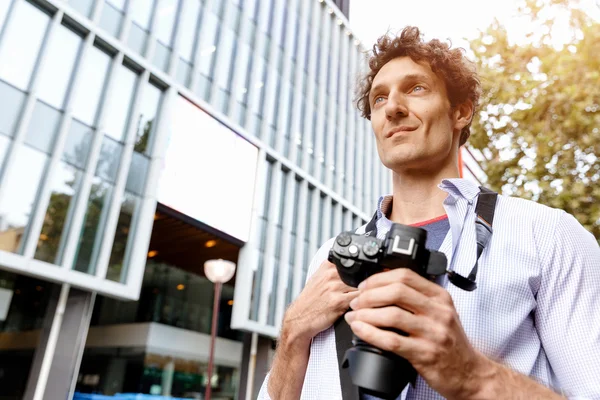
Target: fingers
column 402, row 275
column 382, row 339
column 392, row 294
column 388, row 317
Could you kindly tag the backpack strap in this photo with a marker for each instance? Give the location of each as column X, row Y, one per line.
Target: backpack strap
column 486, row 206
column 343, row 341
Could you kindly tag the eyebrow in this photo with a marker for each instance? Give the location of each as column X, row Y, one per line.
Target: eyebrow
column 405, row 78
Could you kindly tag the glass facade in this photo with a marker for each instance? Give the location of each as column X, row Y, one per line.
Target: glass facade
column 89, row 90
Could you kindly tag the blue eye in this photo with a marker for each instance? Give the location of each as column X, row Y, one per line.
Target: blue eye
column 377, row 99
column 418, row 87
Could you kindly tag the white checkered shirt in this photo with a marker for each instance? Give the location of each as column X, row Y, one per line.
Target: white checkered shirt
column 536, row 308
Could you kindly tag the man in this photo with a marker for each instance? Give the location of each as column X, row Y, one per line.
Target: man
column 532, row 327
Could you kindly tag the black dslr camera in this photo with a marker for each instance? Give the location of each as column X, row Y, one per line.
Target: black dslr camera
column 380, row 373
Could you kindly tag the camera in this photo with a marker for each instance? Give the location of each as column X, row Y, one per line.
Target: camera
column 380, row 373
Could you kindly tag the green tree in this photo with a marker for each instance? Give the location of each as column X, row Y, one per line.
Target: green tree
column 539, row 125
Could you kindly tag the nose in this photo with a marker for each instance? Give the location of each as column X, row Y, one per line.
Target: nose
column 395, row 107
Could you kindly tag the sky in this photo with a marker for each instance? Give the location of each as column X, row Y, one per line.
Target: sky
column 442, row 19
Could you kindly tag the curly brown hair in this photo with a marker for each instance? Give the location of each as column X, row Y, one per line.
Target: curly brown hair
column 457, row 72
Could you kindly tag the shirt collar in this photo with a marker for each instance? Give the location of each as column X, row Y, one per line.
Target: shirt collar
column 460, row 188
column 455, row 187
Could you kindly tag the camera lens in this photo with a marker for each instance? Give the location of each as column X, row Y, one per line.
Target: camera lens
column 344, row 239
column 371, row 248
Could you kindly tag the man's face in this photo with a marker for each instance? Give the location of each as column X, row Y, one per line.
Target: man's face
column 411, row 117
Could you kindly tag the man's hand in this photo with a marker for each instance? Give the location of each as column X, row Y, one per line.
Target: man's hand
column 437, row 345
column 324, row 298
column 322, row 301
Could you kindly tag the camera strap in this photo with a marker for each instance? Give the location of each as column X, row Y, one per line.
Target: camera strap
column 485, row 208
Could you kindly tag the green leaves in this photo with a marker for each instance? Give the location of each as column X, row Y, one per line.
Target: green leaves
column 539, row 121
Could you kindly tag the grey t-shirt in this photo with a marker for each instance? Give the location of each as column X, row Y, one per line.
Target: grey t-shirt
column 436, row 233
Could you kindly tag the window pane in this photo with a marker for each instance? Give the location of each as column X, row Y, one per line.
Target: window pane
column 4, row 6
column 58, row 214
column 116, row 270
column 118, row 4
column 16, row 205
column 111, row 19
column 91, row 86
column 11, row 103
column 137, row 173
column 110, row 157
column 58, row 67
column 166, row 20
column 147, row 118
column 21, row 44
column 137, row 38
column 141, row 11
column 44, row 124
column 83, row 6
column 92, row 229
column 77, row 146
column 4, row 143
column 120, row 104
column 208, row 43
column 188, row 25
column 184, row 70
column 225, row 51
column 162, row 55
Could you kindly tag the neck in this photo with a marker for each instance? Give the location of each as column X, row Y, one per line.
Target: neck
column 417, row 197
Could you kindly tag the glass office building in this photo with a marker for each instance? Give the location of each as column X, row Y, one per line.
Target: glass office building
column 140, row 138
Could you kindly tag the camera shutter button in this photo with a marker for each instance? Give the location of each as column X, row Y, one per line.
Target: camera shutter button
column 353, row 250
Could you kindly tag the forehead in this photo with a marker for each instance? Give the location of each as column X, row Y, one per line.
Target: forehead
column 403, row 68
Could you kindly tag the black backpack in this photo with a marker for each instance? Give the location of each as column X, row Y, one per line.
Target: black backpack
column 486, row 205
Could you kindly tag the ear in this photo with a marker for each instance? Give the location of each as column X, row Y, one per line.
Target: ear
column 463, row 114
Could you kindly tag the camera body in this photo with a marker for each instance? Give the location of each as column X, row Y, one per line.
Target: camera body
column 356, row 257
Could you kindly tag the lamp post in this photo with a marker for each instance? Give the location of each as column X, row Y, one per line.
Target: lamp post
column 218, row 272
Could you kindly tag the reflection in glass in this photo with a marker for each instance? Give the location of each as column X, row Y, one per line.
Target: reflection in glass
column 90, row 236
column 91, row 86
column 58, row 214
column 147, row 118
column 11, row 103
column 117, row 270
column 110, row 157
column 120, row 103
column 111, row 19
column 17, row 202
column 58, row 66
column 137, row 173
column 77, row 145
column 83, row 6
column 43, row 126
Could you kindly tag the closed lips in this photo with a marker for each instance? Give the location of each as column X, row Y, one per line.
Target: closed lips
column 400, row 129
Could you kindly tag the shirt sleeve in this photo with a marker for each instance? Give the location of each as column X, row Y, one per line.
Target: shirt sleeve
column 567, row 316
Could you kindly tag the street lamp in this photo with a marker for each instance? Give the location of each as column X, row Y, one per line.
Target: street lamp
column 218, row 272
